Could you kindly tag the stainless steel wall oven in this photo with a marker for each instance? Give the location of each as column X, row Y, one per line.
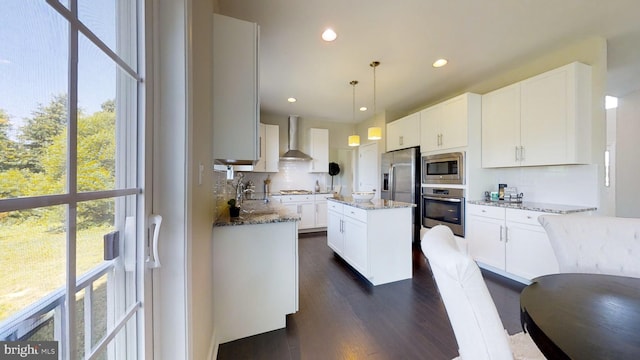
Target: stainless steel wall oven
column 443, row 206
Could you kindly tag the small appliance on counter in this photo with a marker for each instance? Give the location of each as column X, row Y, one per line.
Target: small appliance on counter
column 511, row 195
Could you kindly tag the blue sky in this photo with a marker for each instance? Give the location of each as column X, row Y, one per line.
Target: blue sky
column 34, row 56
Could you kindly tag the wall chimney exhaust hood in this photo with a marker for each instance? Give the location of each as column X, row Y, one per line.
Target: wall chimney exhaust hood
column 294, row 153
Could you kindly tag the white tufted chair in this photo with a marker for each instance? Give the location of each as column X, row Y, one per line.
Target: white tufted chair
column 471, row 310
column 595, row 244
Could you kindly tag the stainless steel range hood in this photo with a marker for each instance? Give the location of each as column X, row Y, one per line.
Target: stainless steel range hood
column 294, row 153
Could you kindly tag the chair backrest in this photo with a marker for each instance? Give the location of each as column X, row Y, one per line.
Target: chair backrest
column 595, row 244
column 471, row 310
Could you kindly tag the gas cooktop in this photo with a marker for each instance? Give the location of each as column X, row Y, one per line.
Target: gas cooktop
column 295, row 192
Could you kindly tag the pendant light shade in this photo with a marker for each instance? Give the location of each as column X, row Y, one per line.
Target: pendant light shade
column 374, row 133
column 354, row 140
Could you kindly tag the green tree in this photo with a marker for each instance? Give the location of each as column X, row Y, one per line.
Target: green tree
column 9, row 156
column 40, row 130
column 96, row 166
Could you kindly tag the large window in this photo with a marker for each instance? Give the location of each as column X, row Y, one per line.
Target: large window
column 69, row 158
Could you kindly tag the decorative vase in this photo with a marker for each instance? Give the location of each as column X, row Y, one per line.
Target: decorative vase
column 234, row 212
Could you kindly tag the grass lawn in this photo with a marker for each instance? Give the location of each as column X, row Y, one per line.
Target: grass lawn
column 32, row 262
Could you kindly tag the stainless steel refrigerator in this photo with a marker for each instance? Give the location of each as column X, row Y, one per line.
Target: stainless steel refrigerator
column 401, row 181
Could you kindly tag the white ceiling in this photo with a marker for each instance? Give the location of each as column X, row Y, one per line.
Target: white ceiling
column 480, row 38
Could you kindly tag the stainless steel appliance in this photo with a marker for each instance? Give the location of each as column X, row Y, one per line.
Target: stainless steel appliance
column 443, row 206
column 401, row 181
column 443, row 168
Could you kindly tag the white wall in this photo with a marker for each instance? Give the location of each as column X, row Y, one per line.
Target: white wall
column 628, row 156
column 183, row 316
column 199, row 260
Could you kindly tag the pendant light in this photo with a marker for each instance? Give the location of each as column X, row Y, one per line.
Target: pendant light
column 374, row 133
column 354, row 140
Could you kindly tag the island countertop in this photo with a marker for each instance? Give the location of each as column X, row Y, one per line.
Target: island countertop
column 375, row 204
column 535, row 206
column 258, row 212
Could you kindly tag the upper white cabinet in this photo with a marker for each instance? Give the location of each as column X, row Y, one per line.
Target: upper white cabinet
column 445, row 125
column 319, row 150
column 236, row 108
column 269, row 141
column 404, row 132
column 544, row 120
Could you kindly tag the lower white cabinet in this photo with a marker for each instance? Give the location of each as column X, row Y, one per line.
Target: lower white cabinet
column 510, row 240
column 320, row 201
column 255, row 278
column 376, row 243
column 311, row 208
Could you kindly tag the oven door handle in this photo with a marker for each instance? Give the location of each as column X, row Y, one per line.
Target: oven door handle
column 442, row 199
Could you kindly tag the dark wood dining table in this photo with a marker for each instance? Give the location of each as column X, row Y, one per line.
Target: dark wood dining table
column 583, row 316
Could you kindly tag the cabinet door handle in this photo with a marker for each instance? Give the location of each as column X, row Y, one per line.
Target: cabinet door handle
column 521, row 153
column 506, row 234
column 517, row 157
column 260, row 147
column 401, row 140
column 501, row 233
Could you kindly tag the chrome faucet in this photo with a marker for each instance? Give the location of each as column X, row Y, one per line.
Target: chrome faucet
column 239, row 189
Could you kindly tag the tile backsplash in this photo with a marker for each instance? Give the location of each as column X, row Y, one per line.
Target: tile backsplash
column 293, row 175
column 569, row 185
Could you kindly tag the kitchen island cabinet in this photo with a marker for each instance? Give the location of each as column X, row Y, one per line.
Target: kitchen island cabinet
column 255, row 272
column 373, row 237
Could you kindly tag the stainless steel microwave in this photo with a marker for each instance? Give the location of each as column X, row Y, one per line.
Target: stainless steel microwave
column 443, row 168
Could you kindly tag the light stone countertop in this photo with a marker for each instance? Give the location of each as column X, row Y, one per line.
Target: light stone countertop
column 258, row 212
column 535, row 206
column 375, row 204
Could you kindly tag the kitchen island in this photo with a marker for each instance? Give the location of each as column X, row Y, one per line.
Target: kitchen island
column 374, row 237
column 255, row 270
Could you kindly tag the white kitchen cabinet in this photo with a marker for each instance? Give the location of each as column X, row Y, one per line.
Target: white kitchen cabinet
column 319, row 150
column 302, row 205
column 544, row 120
column 445, row 126
column 510, row 240
column 255, row 273
column 485, row 238
column 269, row 141
column 335, row 239
column 236, row 104
column 404, row 132
column 356, row 249
column 376, row 243
column 320, row 201
column 312, row 209
column 501, row 127
column 528, row 252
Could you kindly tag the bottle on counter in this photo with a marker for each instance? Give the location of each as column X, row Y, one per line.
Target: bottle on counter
column 317, row 186
column 267, row 181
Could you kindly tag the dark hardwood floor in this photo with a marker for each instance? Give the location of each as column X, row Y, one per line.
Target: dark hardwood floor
column 342, row 316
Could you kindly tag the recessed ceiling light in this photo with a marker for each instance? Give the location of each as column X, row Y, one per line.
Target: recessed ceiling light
column 364, row 108
column 440, row 63
column 292, row 100
column 329, row 35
